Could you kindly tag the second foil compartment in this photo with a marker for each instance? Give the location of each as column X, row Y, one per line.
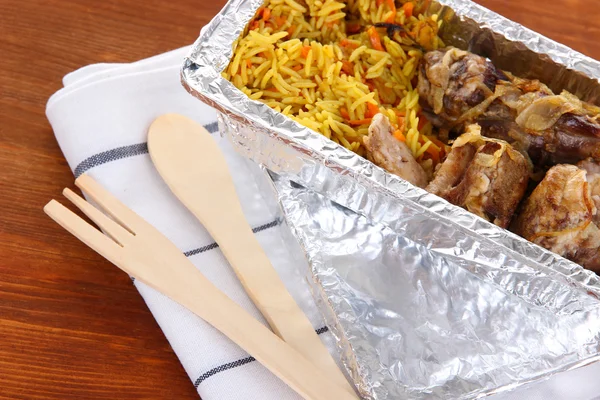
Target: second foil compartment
column 508, row 133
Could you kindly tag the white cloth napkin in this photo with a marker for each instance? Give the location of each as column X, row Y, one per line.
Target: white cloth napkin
column 100, row 119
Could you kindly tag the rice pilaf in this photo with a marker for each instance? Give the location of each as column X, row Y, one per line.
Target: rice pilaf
column 332, row 65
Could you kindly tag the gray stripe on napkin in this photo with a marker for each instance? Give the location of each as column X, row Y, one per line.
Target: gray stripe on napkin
column 237, row 363
column 214, row 245
column 122, row 152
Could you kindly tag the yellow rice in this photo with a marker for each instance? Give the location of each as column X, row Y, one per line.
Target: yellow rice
column 297, row 57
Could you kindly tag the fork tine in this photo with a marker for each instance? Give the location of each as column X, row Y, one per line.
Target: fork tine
column 113, row 229
column 113, row 207
column 83, row 231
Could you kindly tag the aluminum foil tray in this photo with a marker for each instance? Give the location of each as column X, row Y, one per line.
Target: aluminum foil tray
column 417, row 323
column 427, row 301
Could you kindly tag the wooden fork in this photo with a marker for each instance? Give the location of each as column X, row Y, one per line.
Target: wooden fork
column 136, row 247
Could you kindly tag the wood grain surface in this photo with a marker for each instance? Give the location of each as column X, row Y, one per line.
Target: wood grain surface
column 71, row 325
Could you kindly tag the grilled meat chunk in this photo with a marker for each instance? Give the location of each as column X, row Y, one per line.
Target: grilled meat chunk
column 486, row 176
column 458, row 88
column 561, row 215
column 391, row 154
column 452, row 82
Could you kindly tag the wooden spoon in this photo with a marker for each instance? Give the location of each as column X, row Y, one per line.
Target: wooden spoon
column 191, row 163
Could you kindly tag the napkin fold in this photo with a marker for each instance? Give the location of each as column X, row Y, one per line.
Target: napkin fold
column 100, row 119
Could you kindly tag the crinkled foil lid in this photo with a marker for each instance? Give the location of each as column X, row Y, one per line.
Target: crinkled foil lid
column 426, row 299
column 419, row 324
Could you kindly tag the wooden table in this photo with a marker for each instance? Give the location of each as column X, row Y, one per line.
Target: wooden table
column 71, row 325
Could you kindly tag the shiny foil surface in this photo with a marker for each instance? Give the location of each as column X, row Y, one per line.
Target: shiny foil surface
column 427, row 300
column 417, row 323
